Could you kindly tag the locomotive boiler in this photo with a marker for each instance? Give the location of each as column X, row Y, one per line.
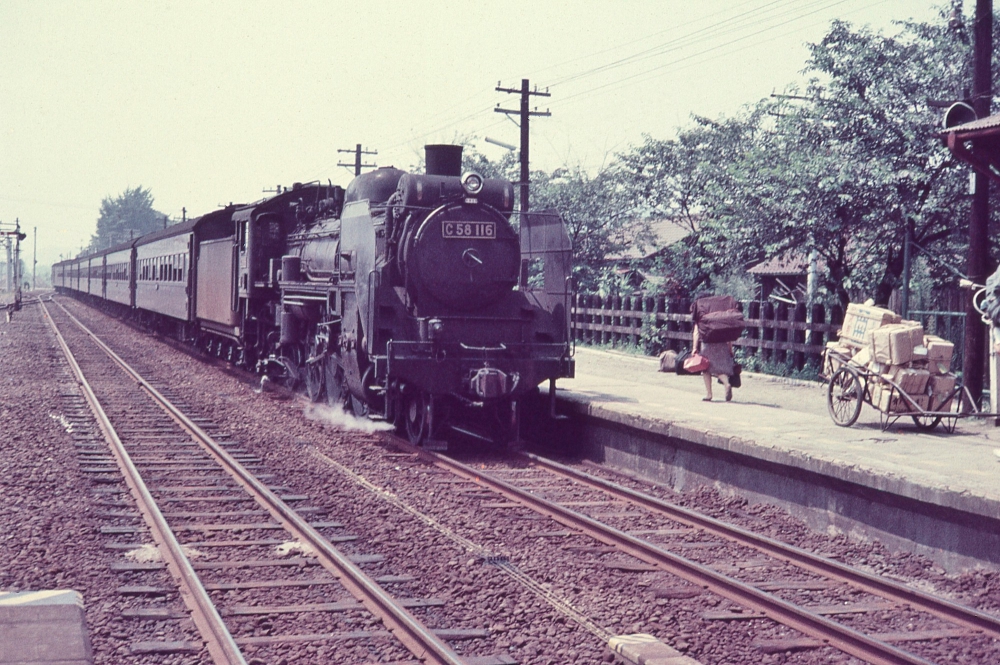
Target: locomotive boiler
column 423, row 304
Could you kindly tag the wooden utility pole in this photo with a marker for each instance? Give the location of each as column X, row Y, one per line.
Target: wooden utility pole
column 977, row 267
column 524, row 113
column 357, row 159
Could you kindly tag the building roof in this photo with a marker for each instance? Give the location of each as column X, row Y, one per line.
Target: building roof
column 666, row 232
column 789, row 264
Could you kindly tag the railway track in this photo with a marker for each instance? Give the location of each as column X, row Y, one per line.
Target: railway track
column 762, row 576
column 826, row 606
column 199, row 493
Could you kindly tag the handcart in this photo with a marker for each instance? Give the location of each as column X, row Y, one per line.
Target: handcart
column 851, row 384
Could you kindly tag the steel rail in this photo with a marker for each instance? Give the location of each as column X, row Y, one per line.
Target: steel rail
column 841, row 637
column 419, row 639
column 943, row 608
column 218, row 640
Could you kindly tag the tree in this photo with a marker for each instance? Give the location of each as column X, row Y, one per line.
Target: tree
column 599, row 217
column 597, row 210
column 668, row 179
column 127, row 216
column 840, row 167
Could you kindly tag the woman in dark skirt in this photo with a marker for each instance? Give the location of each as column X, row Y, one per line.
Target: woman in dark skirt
column 719, row 355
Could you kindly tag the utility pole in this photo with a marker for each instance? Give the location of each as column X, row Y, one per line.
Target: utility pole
column 34, row 261
column 977, row 266
column 12, row 237
column 357, row 159
column 525, row 114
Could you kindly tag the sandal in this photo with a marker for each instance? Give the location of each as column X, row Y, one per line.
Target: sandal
column 706, row 399
column 729, row 393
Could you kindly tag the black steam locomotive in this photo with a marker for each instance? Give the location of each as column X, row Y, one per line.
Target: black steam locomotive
column 412, row 298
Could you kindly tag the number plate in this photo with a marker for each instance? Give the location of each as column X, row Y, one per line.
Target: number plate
column 479, row 230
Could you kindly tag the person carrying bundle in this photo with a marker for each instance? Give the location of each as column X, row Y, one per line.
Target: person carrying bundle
column 718, row 322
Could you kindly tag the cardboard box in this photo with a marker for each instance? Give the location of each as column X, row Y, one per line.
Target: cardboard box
column 893, row 344
column 875, row 392
column 861, row 319
column 911, row 381
column 877, row 368
column 940, row 388
column 862, row 357
column 916, row 331
column 890, row 401
column 834, row 357
column 937, row 367
column 941, row 404
column 939, row 349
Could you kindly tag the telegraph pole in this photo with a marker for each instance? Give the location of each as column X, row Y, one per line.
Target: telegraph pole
column 357, row 159
column 34, row 261
column 978, row 259
column 525, row 114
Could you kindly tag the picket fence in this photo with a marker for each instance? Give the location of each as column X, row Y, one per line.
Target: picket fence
column 793, row 335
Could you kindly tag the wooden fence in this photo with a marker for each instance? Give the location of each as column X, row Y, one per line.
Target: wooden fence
column 776, row 332
column 794, row 335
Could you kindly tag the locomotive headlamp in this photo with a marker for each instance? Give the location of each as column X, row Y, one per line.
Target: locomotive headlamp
column 472, row 183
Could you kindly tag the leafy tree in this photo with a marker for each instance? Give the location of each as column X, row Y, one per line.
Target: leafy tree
column 597, row 210
column 127, row 216
column 668, row 179
column 599, row 217
column 840, row 167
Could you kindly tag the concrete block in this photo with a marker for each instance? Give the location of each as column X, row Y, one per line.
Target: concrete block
column 645, row 649
column 38, row 627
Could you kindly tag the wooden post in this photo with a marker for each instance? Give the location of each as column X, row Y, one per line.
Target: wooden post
column 767, row 330
column 816, row 336
column 661, row 308
column 753, row 312
column 799, row 336
column 781, row 314
column 836, row 319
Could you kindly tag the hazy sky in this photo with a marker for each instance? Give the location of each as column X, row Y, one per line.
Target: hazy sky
column 211, row 102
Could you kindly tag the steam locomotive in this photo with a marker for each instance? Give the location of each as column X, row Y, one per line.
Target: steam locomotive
column 412, row 298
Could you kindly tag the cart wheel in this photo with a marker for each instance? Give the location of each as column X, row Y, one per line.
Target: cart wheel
column 843, row 397
column 926, row 423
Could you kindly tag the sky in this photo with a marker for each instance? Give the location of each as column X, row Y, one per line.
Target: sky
column 210, row 103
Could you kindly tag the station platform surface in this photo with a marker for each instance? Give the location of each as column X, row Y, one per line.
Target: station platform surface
column 786, row 421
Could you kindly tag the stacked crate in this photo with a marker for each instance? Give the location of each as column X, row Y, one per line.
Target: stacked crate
column 880, row 342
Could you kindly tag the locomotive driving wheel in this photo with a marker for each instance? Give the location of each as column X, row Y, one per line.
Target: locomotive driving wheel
column 336, row 385
column 416, row 416
column 315, row 369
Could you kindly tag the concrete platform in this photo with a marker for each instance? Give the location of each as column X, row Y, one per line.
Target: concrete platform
column 934, row 493
column 43, row 627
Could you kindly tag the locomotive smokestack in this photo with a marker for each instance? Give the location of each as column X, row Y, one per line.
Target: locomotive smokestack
column 443, row 159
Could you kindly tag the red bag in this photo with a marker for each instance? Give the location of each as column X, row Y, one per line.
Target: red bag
column 695, row 363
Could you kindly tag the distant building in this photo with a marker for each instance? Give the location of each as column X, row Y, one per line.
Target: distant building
column 784, row 278
column 638, row 260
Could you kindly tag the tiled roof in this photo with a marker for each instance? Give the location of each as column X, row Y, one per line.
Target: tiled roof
column 983, row 123
column 789, row 263
column 665, row 233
